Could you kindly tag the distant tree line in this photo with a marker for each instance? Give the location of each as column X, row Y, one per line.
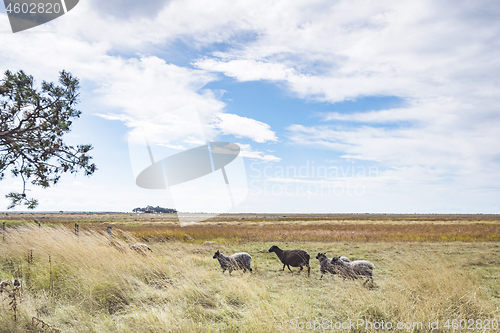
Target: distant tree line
column 157, row 209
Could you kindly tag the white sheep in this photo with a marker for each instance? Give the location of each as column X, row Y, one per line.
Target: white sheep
column 355, row 269
column 345, row 259
column 237, row 261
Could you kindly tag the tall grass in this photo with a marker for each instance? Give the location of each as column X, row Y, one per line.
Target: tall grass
column 94, row 285
column 319, row 232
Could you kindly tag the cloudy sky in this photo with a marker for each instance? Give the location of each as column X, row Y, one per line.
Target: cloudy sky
column 338, row 106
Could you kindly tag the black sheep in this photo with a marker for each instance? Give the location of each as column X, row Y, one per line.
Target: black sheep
column 294, row 258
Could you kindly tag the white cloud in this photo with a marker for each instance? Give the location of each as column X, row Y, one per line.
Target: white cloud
column 249, row 70
column 142, row 91
column 337, row 50
column 248, row 152
column 173, row 146
column 437, row 55
column 443, row 153
column 232, row 124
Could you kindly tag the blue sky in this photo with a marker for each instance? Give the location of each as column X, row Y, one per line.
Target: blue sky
column 396, row 102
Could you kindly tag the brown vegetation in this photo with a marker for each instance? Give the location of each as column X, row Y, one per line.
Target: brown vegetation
column 319, row 232
column 111, row 217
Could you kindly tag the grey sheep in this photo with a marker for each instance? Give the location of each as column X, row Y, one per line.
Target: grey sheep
column 237, row 261
column 355, row 269
column 294, row 258
column 326, row 265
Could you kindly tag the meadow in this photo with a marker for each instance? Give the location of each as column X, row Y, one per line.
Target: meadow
column 443, row 272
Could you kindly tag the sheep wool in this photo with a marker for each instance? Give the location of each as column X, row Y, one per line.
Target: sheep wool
column 355, row 269
column 325, row 264
column 235, row 262
column 294, row 258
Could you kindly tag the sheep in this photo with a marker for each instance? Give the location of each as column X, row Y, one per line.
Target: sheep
column 327, row 266
column 237, row 261
column 355, row 269
column 140, row 248
column 294, row 258
column 363, row 268
column 345, row 259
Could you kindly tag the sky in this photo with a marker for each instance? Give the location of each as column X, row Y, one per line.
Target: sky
column 337, row 106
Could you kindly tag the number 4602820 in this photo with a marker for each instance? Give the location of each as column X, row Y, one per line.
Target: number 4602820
column 33, row 8
column 471, row 324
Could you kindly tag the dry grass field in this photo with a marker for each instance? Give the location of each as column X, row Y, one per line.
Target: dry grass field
column 426, row 272
column 271, row 227
column 111, row 217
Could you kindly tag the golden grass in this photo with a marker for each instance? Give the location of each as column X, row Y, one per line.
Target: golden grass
column 318, row 232
column 228, row 228
column 110, row 217
column 92, row 286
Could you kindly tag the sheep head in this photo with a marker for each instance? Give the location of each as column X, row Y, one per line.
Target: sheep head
column 216, row 255
column 273, row 248
column 321, row 255
column 336, row 259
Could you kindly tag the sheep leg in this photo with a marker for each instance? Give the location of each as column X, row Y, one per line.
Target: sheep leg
column 368, row 279
column 301, row 268
column 250, row 271
column 284, row 267
column 289, row 268
column 308, row 270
